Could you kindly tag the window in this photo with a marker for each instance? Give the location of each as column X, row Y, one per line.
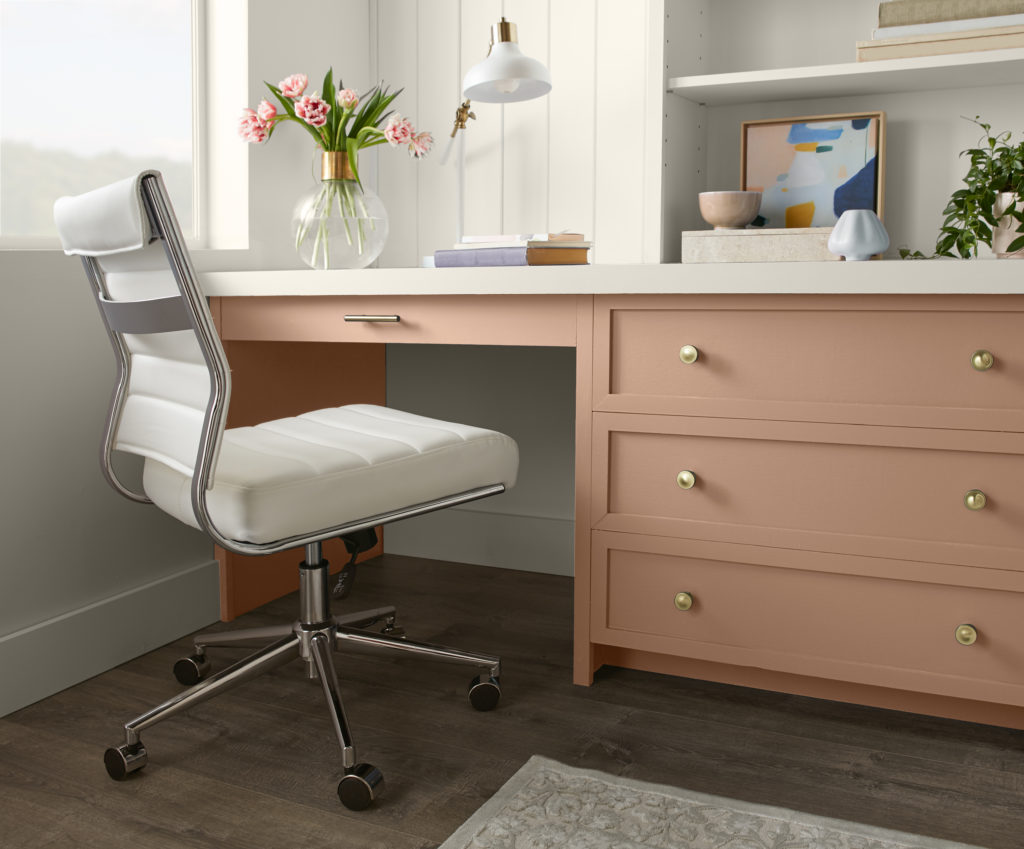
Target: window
column 92, row 91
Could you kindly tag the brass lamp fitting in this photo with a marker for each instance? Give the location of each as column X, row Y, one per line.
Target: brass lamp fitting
column 462, row 114
column 504, row 31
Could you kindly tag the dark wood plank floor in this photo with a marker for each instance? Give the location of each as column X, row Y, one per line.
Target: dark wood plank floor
column 258, row 767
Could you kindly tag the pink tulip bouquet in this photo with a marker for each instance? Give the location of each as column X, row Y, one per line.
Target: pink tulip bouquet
column 339, row 120
column 340, row 212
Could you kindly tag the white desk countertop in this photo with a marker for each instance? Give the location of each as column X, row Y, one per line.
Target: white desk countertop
column 992, row 277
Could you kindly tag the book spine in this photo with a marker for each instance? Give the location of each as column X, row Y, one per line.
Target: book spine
column 968, row 42
column 909, row 12
column 939, row 27
column 479, row 257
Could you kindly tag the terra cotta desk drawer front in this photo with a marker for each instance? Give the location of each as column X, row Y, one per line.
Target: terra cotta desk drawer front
column 437, row 319
column 770, row 475
column 892, row 633
column 814, row 358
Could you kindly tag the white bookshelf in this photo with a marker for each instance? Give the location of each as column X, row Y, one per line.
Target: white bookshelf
column 729, row 61
column 925, row 73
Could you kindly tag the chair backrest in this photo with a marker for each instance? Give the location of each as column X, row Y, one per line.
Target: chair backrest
column 173, row 388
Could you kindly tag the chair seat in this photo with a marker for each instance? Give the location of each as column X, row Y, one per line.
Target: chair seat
column 329, row 467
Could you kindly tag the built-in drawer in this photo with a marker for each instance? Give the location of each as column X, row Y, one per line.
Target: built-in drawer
column 759, row 607
column 901, row 360
column 435, row 319
column 886, row 491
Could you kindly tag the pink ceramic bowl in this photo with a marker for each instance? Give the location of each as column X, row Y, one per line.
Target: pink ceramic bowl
column 729, row 210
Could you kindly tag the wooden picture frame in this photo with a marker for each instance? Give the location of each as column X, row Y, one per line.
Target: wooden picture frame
column 810, row 169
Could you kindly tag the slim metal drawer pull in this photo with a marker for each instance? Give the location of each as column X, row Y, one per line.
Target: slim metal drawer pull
column 380, row 318
column 683, row 601
column 966, row 635
column 982, row 360
column 686, row 479
column 688, row 354
column 975, row 499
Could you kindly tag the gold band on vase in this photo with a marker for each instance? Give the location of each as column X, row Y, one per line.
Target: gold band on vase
column 334, row 165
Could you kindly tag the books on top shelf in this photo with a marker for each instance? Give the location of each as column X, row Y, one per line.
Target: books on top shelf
column 894, row 13
column 964, row 25
column 910, row 28
column 516, row 249
column 967, row 41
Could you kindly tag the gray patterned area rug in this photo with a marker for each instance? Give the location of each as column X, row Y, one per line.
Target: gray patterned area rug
column 547, row 805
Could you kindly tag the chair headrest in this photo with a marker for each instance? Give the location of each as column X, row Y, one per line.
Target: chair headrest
column 107, row 220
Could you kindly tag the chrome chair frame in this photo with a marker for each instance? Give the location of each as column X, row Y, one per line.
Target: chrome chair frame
column 317, row 633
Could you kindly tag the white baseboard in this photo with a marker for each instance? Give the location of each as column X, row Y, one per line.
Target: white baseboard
column 50, row 656
column 465, row 535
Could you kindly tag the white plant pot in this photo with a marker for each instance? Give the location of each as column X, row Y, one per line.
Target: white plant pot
column 858, row 235
column 1006, row 232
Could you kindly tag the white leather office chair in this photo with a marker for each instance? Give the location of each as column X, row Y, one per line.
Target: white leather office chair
column 257, row 490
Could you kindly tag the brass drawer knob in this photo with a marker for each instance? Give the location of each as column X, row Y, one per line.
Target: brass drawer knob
column 966, row 635
column 686, row 479
column 688, row 354
column 982, row 360
column 684, row 601
column 975, row 499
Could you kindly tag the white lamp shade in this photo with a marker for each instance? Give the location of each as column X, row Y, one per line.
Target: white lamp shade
column 506, row 76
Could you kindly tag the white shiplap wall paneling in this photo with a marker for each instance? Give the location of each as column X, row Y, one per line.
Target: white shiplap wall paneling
column 397, row 54
column 571, row 110
column 525, row 149
column 440, row 92
column 620, row 131
column 484, row 185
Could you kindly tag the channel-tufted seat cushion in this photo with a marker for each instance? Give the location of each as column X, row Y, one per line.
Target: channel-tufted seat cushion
column 327, row 467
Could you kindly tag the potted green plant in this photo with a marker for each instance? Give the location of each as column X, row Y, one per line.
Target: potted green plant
column 990, row 210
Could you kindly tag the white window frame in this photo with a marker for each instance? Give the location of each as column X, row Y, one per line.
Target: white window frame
column 223, row 211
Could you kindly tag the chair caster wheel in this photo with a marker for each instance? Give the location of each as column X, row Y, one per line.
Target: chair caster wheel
column 192, row 669
column 360, row 787
column 391, row 629
column 122, row 761
column 484, row 694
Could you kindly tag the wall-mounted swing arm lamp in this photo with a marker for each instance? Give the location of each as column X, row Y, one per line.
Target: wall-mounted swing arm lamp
column 506, row 75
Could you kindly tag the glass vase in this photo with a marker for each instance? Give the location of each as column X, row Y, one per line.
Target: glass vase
column 339, row 223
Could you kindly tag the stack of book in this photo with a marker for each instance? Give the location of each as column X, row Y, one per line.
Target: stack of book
column 516, row 249
column 908, row 28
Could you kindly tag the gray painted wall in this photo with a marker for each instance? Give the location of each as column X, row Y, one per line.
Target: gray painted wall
column 525, row 392
column 87, row 579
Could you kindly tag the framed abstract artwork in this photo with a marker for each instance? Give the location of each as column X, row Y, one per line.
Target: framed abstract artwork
column 811, row 170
